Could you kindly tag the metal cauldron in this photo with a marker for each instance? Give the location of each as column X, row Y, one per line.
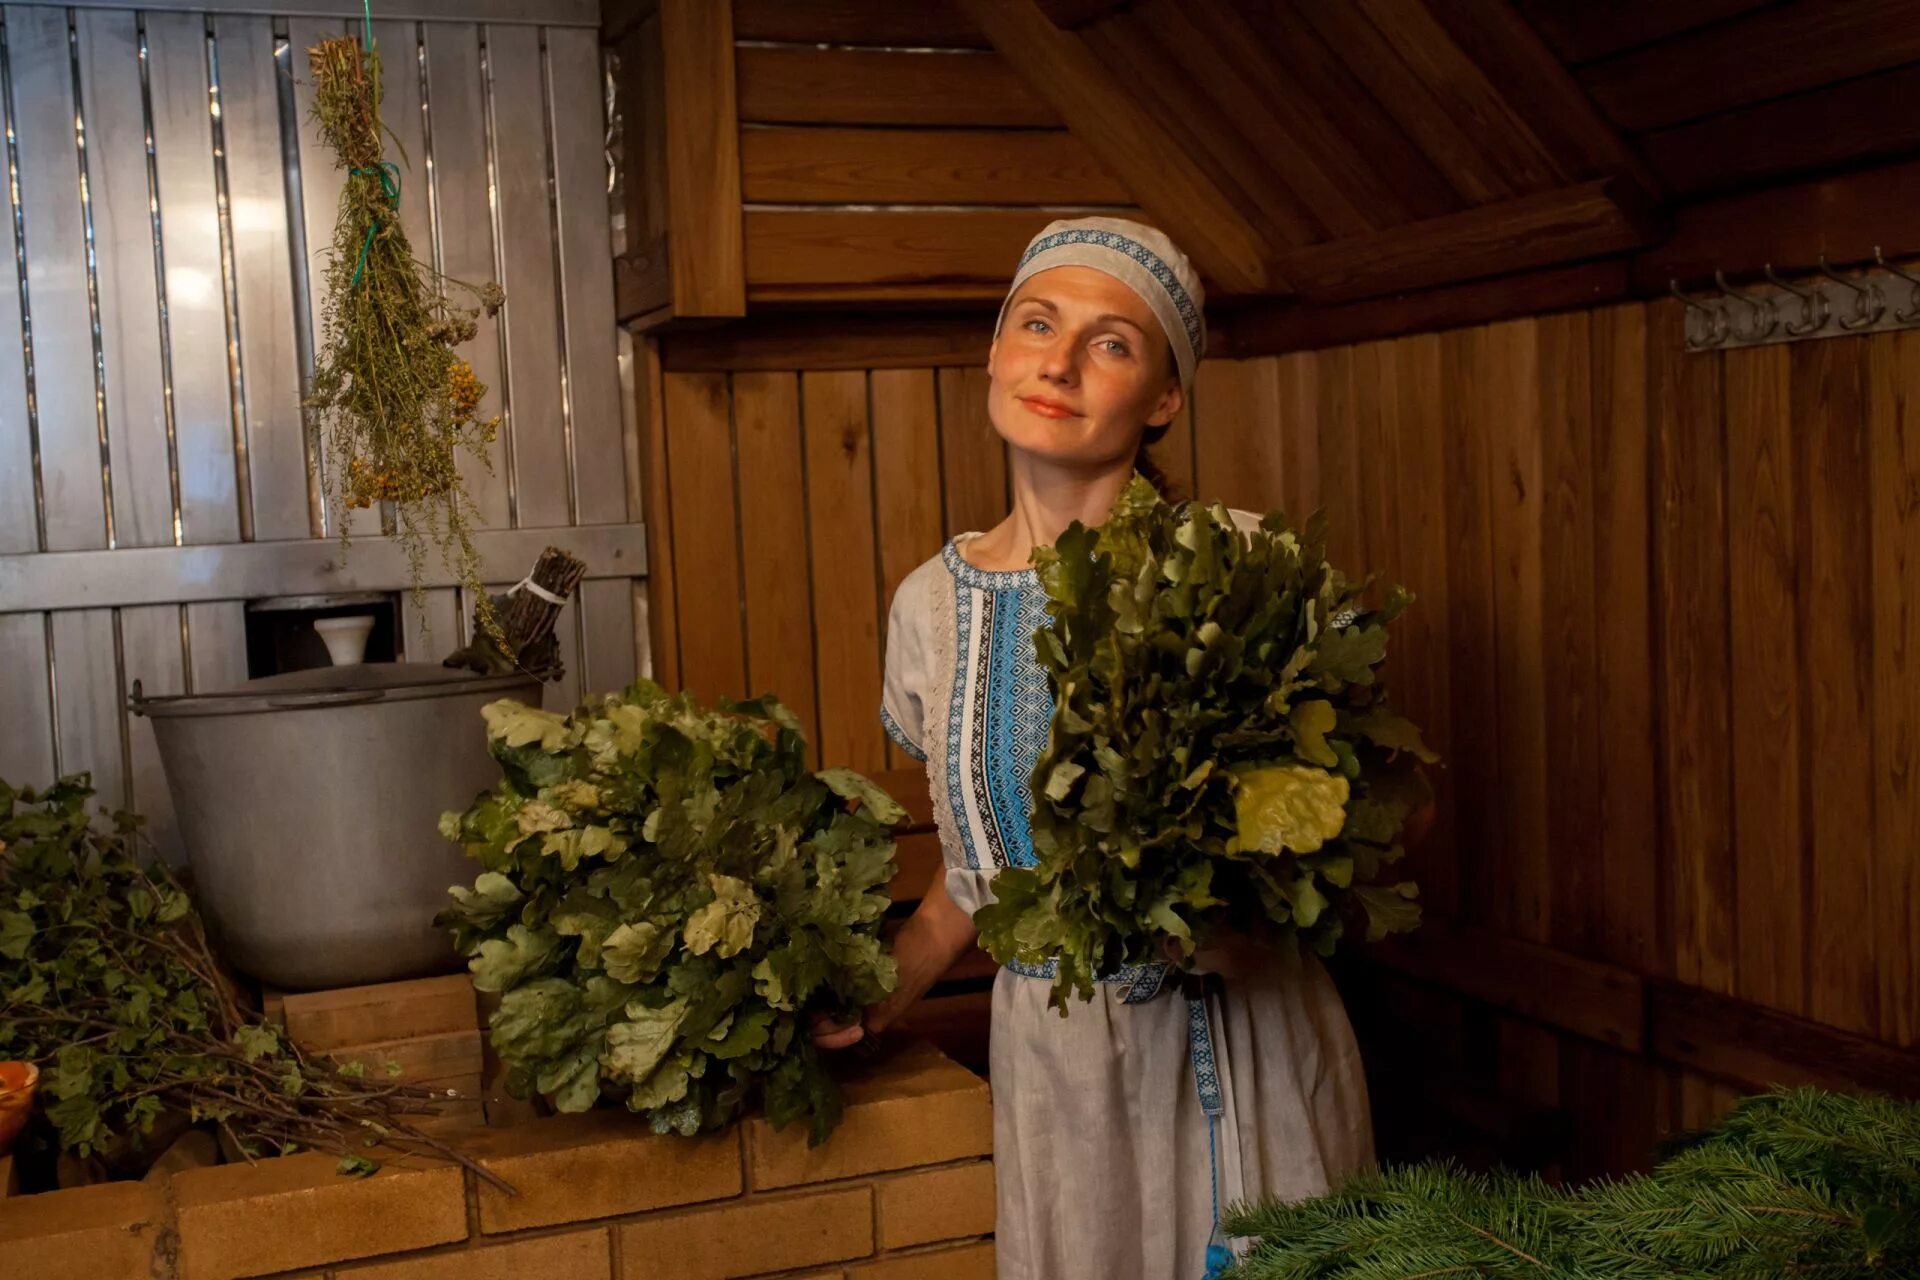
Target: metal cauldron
column 309, row 804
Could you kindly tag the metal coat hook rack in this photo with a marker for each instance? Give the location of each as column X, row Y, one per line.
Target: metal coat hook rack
column 1874, row 297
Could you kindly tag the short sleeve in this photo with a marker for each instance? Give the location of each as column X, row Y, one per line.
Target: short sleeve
column 902, row 694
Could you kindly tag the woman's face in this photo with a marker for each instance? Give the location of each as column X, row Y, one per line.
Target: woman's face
column 1080, row 369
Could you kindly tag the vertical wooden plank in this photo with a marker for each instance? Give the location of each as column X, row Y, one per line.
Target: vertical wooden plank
column 150, row 654
column 283, row 493
column 196, row 328
column 1894, row 430
column 1513, row 385
column 906, row 476
column 839, row 473
column 1622, row 582
column 705, row 536
column 906, row 468
column 576, row 121
column 1420, row 671
column 1690, row 566
column 26, row 752
column 118, row 198
column 321, row 180
column 1339, row 457
column 216, row 646
column 1764, row 595
column 1473, row 675
column 773, row 541
column 1569, row 627
column 705, row 241
column 73, row 456
column 1829, row 413
column 1173, row 452
column 1376, row 415
column 538, row 434
column 86, row 701
column 973, row 458
column 463, row 224
column 606, row 623
column 1236, row 409
column 1298, row 376
column 663, row 616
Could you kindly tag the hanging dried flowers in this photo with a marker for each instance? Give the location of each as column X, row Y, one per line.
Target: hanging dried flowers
column 392, row 398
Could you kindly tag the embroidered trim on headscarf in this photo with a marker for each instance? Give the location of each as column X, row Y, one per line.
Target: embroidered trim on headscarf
column 1189, row 314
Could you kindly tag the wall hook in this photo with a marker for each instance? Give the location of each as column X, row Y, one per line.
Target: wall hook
column 1912, row 314
column 1813, row 305
column 1761, row 316
column 1868, row 305
column 1717, row 323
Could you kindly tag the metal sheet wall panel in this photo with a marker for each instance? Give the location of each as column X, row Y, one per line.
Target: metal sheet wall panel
column 463, row 222
column 577, row 128
column 26, row 750
column 72, row 459
column 150, row 652
column 86, row 700
column 196, row 306
column 119, row 202
column 536, row 423
column 284, row 503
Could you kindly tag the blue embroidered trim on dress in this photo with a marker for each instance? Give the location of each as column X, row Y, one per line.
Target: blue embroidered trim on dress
column 900, row 737
column 956, row 715
column 969, row 575
column 1189, row 314
column 1206, row 1075
column 1142, row 981
column 1019, row 715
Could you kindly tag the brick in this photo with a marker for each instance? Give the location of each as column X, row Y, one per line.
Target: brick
column 384, row 1011
column 917, row 1107
column 597, row 1165
column 578, row 1255
column 420, row 1058
column 968, row 1262
column 296, row 1211
column 109, row 1229
column 939, row 1204
column 749, row 1237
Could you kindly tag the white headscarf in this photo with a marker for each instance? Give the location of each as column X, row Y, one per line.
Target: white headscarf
column 1138, row 256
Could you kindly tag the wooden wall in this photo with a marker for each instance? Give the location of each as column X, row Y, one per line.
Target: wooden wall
column 1668, row 620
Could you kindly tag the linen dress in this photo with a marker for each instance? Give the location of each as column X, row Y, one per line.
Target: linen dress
column 1108, row 1162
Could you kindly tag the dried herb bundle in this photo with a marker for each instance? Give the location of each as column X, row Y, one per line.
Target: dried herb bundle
column 393, row 399
column 108, row 985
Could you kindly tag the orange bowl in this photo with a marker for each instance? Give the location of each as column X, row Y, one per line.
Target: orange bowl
column 17, row 1083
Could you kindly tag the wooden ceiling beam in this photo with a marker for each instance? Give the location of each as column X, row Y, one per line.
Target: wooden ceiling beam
column 1224, row 58
column 1772, row 52
column 1277, row 326
column 1412, row 103
column 937, row 24
column 1467, row 92
column 1131, row 142
column 1843, row 217
column 1590, row 220
column 1540, row 87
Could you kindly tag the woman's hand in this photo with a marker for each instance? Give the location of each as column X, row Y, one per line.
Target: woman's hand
column 934, row 936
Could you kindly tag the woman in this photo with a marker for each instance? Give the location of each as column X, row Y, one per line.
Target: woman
column 1121, row 1130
